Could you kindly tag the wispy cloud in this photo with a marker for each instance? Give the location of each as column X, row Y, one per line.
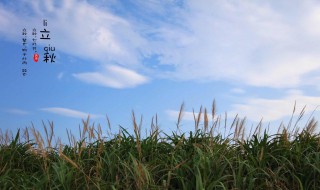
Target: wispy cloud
column 246, row 43
column 83, row 30
column 69, row 112
column 78, row 28
column 238, row 91
column 113, row 76
column 264, row 44
column 17, row 111
column 9, row 22
column 60, row 75
column 275, row 109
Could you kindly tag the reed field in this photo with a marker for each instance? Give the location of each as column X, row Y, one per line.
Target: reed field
column 212, row 156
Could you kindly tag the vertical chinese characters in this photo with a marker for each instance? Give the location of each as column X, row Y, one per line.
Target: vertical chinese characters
column 49, row 50
column 34, row 45
column 49, row 55
column 24, row 52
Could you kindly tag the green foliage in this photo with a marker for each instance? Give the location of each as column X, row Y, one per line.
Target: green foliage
column 194, row 160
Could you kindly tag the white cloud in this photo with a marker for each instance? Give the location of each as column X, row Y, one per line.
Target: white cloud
column 238, row 91
column 113, row 76
column 265, row 44
column 311, row 22
column 86, row 31
column 69, row 112
column 174, row 114
column 77, row 28
column 258, row 44
column 82, row 30
column 9, row 22
column 18, row 111
column 275, row 109
column 285, row 71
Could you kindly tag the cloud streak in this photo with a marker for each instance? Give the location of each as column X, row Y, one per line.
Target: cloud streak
column 174, row 114
column 275, row 109
column 66, row 112
column 17, row 111
column 113, row 76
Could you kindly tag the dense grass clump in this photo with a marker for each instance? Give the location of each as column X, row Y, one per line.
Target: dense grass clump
column 199, row 159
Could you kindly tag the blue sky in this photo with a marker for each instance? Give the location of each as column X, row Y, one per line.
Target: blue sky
column 254, row 58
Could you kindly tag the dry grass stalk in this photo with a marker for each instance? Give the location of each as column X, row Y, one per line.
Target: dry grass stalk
column 299, row 118
column 242, row 134
column 109, row 127
column 5, row 137
column 69, row 137
column 119, row 136
column 260, row 124
column 38, row 138
column 154, row 127
column 198, row 119
column 8, row 137
column 91, row 133
column 281, row 126
column 311, row 126
column 85, row 129
column 239, row 131
column 194, row 118
column 99, row 133
column 206, row 120
column 261, row 154
column 180, row 116
column 140, row 125
column 109, row 123
column 213, row 110
column 257, row 131
column 234, row 122
column 294, row 110
column 225, row 123
column 137, row 131
column 25, row 135
column 140, row 176
column 49, row 135
column 214, row 121
column 219, row 122
column 285, row 136
column 236, row 129
column 101, row 147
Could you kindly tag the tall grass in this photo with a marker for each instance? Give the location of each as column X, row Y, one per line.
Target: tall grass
column 213, row 156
